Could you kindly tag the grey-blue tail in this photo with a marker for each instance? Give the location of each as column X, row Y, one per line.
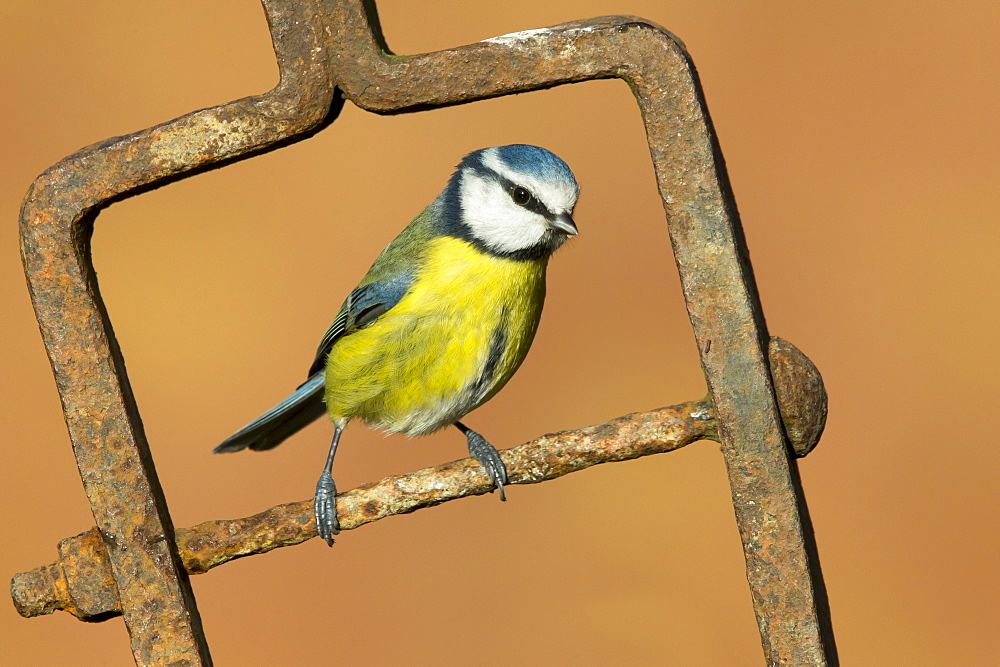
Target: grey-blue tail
column 302, row 408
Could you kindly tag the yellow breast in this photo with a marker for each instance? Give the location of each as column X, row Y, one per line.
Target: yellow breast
column 448, row 346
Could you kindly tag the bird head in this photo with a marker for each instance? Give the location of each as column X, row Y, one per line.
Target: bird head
column 514, row 201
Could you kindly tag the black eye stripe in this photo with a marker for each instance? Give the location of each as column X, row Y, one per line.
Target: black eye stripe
column 538, row 207
column 532, row 203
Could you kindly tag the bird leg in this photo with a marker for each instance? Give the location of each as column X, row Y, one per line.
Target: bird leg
column 487, row 455
column 325, row 500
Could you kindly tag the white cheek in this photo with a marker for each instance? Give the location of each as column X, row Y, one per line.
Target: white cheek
column 495, row 219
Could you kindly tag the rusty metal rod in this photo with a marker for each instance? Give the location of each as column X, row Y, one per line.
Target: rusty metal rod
column 101, row 415
column 709, row 248
column 80, row 581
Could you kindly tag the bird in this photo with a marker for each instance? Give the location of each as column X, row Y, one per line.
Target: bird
column 443, row 318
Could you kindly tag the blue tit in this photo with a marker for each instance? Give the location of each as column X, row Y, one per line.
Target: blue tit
column 442, row 319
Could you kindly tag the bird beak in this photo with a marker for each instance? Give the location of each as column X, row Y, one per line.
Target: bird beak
column 564, row 223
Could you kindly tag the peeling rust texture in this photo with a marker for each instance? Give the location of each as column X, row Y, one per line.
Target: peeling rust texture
column 322, row 45
column 212, row 543
column 801, row 394
column 79, row 582
column 709, row 249
column 103, row 421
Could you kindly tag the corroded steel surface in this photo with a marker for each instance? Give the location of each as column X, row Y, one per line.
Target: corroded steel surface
column 709, row 249
column 801, row 395
column 103, row 422
column 76, row 581
column 79, row 582
column 325, row 43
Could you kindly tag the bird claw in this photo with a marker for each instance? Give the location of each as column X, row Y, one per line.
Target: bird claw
column 489, row 458
column 325, row 508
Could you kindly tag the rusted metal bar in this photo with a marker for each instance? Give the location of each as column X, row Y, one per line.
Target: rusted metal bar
column 101, row 415
column 709, row 249
column 80, row 581
column 322, row 43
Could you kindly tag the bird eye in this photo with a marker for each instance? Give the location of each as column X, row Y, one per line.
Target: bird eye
column 520, row 195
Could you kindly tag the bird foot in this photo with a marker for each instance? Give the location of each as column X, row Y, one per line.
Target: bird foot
column 489, row 457
column 325, row 508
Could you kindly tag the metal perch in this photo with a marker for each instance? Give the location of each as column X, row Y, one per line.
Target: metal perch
column 80, row 581
column 326, row 46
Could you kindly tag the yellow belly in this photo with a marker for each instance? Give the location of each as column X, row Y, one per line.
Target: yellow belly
column 427, row 362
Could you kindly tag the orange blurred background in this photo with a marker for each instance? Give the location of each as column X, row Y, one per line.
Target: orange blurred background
column 861, row 139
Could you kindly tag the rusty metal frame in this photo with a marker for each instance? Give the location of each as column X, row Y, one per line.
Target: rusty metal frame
column 323, row 46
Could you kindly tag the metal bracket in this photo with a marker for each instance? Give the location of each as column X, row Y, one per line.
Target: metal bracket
column 325, row 46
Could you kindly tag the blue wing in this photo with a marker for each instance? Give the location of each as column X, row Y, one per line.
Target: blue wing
column 363, row 307
column 305, row 405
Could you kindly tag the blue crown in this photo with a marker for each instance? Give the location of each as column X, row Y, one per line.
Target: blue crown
column 534, row 160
